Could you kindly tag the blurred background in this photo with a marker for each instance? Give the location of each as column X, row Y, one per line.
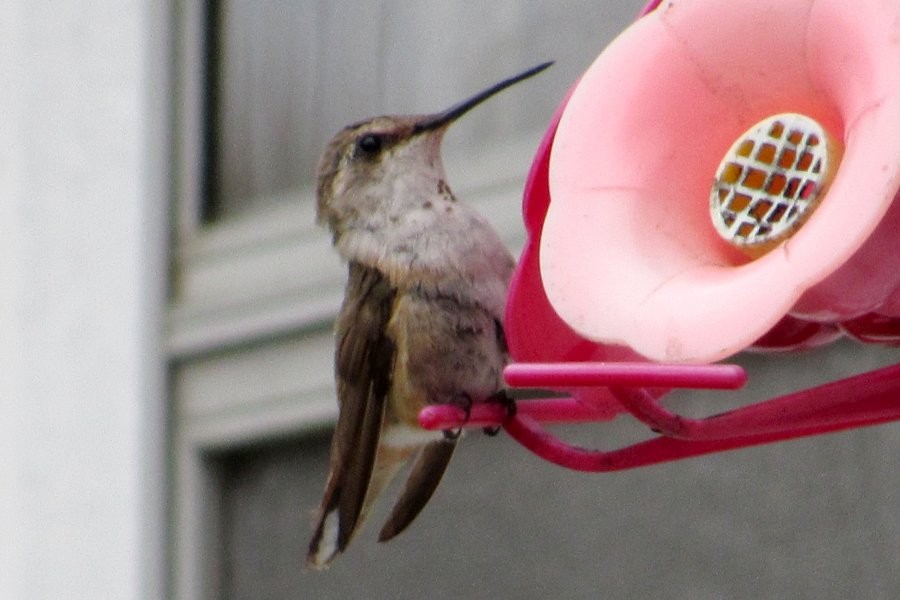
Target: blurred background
column 166, row 302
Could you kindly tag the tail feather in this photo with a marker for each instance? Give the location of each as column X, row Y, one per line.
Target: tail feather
column 333, row 533
column 423, row 480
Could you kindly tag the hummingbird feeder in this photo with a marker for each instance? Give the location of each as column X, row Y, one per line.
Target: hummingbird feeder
column 720, row 179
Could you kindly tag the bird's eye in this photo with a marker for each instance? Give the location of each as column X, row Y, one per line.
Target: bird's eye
column 369, row 143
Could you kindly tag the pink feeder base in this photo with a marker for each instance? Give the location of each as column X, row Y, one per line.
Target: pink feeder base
column 606, row 380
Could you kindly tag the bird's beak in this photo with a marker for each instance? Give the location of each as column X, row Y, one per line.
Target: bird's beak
column 441, row 119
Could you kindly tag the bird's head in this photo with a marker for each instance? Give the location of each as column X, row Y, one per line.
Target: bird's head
column 366, row 165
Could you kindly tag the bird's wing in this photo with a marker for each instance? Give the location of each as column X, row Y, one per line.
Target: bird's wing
column 424, row 478
column 363, row 362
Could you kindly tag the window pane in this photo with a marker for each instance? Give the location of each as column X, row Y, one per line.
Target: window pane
column 261, row 94
column 285, row 75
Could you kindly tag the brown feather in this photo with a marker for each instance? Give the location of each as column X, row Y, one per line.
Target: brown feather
column 363, row 361
column 423, row 480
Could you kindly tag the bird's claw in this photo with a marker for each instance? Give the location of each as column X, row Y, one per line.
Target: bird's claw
column 508, row 403
column 465, row 403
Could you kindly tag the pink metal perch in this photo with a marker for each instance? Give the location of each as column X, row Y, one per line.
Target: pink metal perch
column 866, row 399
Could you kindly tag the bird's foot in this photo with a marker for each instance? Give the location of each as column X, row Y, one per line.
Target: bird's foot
column 464, row 401
column 508, row 403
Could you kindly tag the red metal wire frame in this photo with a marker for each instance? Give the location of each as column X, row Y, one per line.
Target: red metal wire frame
column 866, row 399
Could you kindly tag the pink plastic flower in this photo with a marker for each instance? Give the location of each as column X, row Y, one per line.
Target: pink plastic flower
column 620, row 236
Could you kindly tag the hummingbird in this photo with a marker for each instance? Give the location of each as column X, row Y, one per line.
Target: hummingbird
column 422, row 317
